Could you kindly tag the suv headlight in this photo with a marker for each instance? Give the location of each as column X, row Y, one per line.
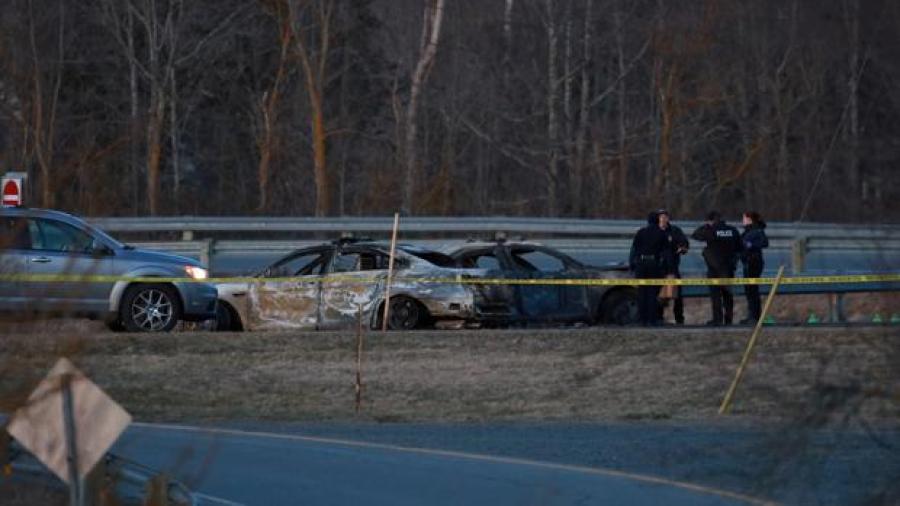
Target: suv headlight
column 196, row 272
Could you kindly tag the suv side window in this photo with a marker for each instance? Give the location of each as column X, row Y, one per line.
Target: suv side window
column 51, row 235
column 14, row 233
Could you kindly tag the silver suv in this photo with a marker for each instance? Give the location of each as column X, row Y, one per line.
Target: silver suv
column 43, row 243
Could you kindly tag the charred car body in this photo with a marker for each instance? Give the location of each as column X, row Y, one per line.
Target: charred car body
column 328, row 286
column 504, row 304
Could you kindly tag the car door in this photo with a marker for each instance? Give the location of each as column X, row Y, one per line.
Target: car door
column 59, row 248
column 355, row 281
column 15, row 243
column 491, row 300
column 574, row 299
column 536, row 301
column 286, row 294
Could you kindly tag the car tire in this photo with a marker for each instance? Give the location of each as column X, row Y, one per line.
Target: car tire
column 150, row 308
column 619, row 308
column 226, row 318
column 406, row 314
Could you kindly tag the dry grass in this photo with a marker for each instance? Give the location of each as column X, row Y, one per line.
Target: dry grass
column 583, row 374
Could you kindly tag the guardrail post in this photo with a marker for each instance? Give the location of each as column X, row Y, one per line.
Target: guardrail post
column 207, row 250
column 187, row 235
column 799, row 248
column 836, row 308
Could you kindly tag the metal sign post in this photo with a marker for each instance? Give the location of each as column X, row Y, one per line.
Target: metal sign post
column 68, row 423
column 76, row 495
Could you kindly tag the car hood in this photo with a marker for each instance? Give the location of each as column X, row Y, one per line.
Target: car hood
column 145, row 255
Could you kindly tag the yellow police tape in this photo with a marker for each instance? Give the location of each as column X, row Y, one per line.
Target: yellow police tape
column 464, row 280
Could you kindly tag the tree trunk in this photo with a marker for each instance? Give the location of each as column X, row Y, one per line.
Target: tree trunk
column 134, row 126
column 320, row 169
column 853, row 166
column 155, row 118
column 552, row 174
column 576, row 189
column 431, row 30
column 269, row 105
column 622, row 181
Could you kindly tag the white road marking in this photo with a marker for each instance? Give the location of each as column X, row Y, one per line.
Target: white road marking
column 216, row 500
column 467, row 456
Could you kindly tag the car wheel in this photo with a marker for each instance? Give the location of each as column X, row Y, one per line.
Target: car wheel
column 150, row 308
column 620, row 308
column 226, row 318
column 406, row 314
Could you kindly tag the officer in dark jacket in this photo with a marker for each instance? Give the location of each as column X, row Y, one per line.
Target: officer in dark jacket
column 647, row 260
column 723, row 245
column 677, row 246
column 754, row 241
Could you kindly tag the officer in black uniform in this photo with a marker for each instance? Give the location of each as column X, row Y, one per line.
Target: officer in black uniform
column 678, row 245
column 723, row 245
column 647, row 260
column 754, row 241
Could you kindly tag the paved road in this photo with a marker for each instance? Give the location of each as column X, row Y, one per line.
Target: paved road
column 240, row 467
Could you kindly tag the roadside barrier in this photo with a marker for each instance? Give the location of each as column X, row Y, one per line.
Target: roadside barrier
column 461, row 279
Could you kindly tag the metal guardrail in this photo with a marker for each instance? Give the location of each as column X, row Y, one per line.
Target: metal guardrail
column 267, row 235
column 439, row 226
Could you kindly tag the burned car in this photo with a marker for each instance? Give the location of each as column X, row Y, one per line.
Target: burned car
column 329, row 286
column 545, row 303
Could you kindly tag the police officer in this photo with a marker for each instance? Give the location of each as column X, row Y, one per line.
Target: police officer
column 754, row 241
column 677, row 246
column 647, row 260
column 723, row 245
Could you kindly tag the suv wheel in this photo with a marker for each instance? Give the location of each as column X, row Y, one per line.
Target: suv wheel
column 150, row 308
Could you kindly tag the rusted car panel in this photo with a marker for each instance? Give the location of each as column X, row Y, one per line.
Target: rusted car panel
column 331, row 285
column 546, row 303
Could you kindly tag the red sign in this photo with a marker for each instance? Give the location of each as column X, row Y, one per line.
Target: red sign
column 12, row 192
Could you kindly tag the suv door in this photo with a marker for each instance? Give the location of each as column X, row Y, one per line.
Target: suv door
column 60, row 248
column 356, row 278
column 15, row 242
column 277, row 302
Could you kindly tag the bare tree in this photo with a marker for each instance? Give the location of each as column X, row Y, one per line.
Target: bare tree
column 431, row 31
column 311, row 26
column 45, row 102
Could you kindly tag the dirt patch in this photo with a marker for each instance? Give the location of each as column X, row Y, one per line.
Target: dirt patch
column 578, row 374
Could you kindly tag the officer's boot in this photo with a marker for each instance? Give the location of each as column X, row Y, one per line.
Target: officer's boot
column 728, row 299
column 716, row 299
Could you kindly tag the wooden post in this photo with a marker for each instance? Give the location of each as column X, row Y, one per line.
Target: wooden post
column 390, row 276
column 359, row 353
column 729, row 396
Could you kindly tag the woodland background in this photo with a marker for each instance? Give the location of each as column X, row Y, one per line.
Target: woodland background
column 587, row 108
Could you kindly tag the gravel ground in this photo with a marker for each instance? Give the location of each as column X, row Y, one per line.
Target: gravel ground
column 455, row 376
